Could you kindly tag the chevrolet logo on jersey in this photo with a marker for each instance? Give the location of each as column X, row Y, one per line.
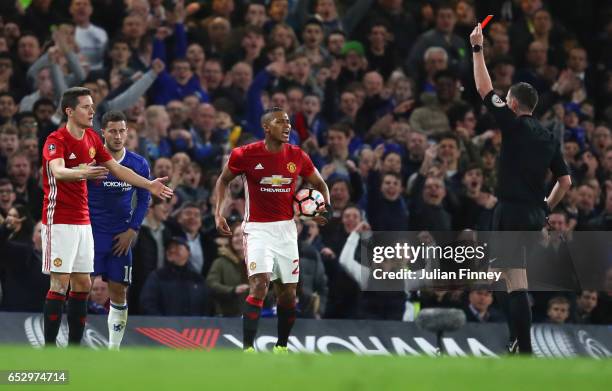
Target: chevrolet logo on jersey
column 275, row 180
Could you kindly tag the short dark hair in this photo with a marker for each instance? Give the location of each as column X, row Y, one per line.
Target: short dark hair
column 313, row 21
column 526, row 95
column 189, row 205
column 70, row 97
column 457, row 112
column 445, row 73
column 558, row 300
column 112, row 116
column 393, row 174
column 450, row 136
column 119, row 40
column 340, row 127
column 5, row 182
column 43, row 102
column 267, row 114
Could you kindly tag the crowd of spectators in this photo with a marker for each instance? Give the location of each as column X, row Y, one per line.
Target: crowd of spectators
column 380, row 94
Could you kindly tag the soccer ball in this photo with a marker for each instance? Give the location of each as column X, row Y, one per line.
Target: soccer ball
column 307, row 202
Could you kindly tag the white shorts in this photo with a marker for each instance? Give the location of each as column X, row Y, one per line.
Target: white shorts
column 272, row 248
column 67, row 248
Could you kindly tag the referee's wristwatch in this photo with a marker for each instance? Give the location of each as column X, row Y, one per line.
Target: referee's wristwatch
column 476, row 48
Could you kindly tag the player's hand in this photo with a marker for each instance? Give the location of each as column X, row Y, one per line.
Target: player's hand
column 241, row 289
column 322, row 212
column 158, row 189
column 123, row 242
column 222, row 226
column 95, row 172
column 476, row 36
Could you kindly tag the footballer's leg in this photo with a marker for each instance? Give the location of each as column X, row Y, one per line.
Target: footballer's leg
column 117, row 314
column 80, row 285
column 258, row 288
column 285, row 308
column 519, row 308
column 59, row 254
column 119, row 278
column 54, row 306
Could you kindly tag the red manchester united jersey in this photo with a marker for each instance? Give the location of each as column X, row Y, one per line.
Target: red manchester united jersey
column 269, row 179
column 66, row 202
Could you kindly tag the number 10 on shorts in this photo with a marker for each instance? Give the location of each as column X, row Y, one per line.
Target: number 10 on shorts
column 128, row 274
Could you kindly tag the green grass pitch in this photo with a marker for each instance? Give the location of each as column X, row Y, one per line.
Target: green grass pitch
column 165, row 369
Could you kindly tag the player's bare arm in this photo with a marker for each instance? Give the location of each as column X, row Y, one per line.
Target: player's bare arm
column 558, row 192
column 61, row 173
column 481, row 75
column 156, row 186
column 220, row 189
column 318, row 183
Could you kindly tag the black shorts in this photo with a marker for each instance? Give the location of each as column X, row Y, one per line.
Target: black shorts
column 521, row 223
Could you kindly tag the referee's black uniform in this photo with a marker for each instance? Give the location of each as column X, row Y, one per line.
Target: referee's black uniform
column 528, row 151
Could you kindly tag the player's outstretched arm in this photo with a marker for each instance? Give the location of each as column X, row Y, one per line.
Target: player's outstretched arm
column 481, row 75
column 317, row 182
column 220, row 189
column 61, row 173
column 156, row 186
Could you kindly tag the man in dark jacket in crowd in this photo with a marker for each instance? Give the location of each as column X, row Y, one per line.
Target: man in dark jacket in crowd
column 176, row 289
column 23, row 285
column 148, row 252
column 478, row 308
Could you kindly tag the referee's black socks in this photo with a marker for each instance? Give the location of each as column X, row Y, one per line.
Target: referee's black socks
column 77, row 316
column 250, row 320
column 520, row 319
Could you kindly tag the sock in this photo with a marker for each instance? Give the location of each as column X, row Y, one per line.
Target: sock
column 117, row 319
column 77, row 316
column 502, row 299
column 286, row 319
column 52, row 314
column 520, row 319
column 250, row 320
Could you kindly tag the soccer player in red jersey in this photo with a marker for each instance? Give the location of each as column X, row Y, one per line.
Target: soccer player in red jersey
column 270, row 170
column 72, row 155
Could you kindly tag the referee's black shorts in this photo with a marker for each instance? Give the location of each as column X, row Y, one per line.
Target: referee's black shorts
column 513, row 249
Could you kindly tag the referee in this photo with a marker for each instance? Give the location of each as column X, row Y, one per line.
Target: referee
column 528, row 151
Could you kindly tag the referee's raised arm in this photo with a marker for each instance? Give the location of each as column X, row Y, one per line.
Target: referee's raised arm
column 481, row 75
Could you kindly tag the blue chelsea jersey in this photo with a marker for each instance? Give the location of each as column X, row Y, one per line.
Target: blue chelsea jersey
column 111, row 205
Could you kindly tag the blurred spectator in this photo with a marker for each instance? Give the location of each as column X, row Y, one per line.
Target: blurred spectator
column 91, row 39
column 149, row 251
column 558, row 310
column 26, row 187
column 386, row 209
column 602, row 314
column 23, row 285
column 17, row 226
column 176, row 289
column 585, row 303
column 99, row 299
column 313, row 288
column 201, row 247
column 442, row 36
column 479, row 307
column 431, row 118
column 227, row 278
